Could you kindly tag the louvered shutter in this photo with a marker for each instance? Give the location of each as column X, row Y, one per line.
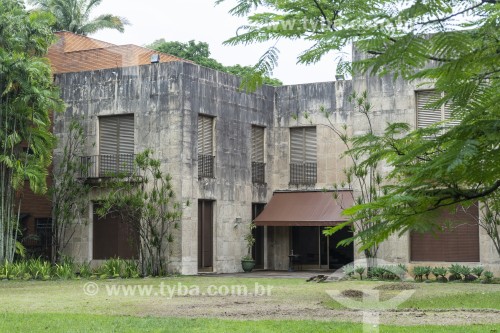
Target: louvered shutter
column 310, row 144
column 116, row 144
column 303, row 145
column 427, row 115
column 257, row 144
column 296, row 145
column 126, row 135
column 205, row 135
column 108, row 135
column 447, row 115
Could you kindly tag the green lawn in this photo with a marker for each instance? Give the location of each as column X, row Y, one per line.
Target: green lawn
column 292, row 306
column 97, row 323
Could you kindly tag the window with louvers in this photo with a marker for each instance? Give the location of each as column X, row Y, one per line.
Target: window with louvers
column 205, row 146
column 116, row 145
column 458, row 242
column 258, row 165
column 428, row 115
column 303, row 165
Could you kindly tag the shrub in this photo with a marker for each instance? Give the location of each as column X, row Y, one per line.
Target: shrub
column 455, row 272
column 20, row 270
column 5, row 270
column 39, row 269
column 401, row 270
column 427, row 271
column 377, row 272
column 112, row 268
column 488, row 276
column 65, row 270
column 348, row 270
column 419, row 272
column 130, row 269
column 84, row 270
column 465, row 271
column 440, row 272
column 477, row 271
column 360, row 270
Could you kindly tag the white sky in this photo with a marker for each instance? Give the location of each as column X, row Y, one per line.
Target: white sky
column 202, row 21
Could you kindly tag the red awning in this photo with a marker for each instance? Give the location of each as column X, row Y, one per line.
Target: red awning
column 305, row 209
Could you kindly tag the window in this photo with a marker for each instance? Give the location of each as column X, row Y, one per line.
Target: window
column 303, row 167
column 427, row 115
column 205, row 146
column 116, row 146
column 258, row 165
column 114, row 237
column 458, row 242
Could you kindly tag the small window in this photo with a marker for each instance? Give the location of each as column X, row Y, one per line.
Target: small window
column 116, row 146
column 428, row 115
column 303, row 164
column 205, row 146
column 258, row 165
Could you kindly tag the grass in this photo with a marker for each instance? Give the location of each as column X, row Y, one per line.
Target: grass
column 62, row 306
column 10, row 322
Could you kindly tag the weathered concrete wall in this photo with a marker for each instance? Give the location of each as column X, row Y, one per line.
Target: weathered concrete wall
column 216, row 94
column 166, row 100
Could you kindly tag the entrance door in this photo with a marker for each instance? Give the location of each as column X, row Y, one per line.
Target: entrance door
column 205, row 235
column 315, row 250
column 258, row 234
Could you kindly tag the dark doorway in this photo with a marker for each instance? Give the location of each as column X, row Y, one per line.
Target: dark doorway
column 315, row 250
column 339, row 255
column 258, row 234
column 114, row 238
column 205, row 235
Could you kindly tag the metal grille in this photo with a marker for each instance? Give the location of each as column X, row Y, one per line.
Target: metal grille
column 258, row 173
column 206, row 166
column 100, row 166
column 303, row 173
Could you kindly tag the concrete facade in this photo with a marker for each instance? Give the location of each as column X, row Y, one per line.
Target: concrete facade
column 166, row 100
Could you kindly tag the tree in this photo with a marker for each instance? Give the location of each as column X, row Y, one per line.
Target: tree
column 146, row 201
column 199, row 52
column 27, row 95
column 74, row 16
column 69, row 191
column 452, row 44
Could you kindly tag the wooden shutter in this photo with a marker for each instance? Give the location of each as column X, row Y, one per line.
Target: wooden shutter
column 303, row 145
column 257, row 144
column 310, row 144
column 447, row 115
column 427, row 115
column 116, row 144
column 205, row 135
column 126, row 134
column 108, row 135
column 296, row 145
column 460, row 243
column 116, row 135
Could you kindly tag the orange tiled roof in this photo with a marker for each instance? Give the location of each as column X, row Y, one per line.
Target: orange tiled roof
column 76, row 53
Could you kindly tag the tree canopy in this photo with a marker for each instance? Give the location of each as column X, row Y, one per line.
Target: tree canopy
column 199, row 52
column 453, row 45
column 74, row 16
column 27, row 95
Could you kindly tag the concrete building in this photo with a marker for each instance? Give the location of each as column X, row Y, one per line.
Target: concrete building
column 230, row 153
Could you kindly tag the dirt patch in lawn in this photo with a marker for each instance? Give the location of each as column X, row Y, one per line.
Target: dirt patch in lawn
column 267, row 308
column 397, row 286
column 351, row 293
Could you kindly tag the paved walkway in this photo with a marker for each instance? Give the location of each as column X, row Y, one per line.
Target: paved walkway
column 272, row 274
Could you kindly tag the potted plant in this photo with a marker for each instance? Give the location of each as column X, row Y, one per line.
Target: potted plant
column 247, row 262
